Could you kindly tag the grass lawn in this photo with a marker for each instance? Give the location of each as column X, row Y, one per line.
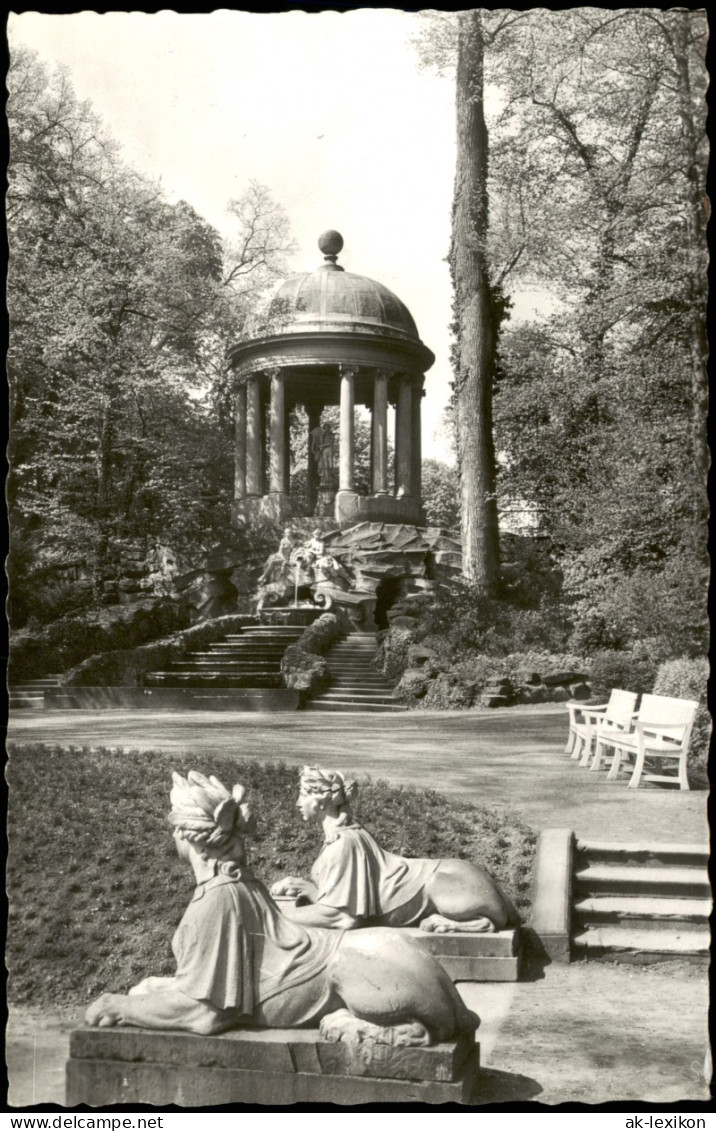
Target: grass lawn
column 94, row 886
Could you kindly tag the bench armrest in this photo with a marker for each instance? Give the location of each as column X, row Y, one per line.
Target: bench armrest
column 642, row 726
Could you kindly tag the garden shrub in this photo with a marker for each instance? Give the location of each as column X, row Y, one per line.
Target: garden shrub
column 687, row 678
column 631, row 671
column 124, row 667
column 668, row 607
column 70, row 640
column 447, row 692
column 392, row 655
column 93, row 907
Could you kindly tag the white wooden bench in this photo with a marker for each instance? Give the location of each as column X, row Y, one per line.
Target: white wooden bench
column 617, row 714
column 662, row 731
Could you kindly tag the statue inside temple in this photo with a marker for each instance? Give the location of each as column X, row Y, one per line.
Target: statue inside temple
column 240, row 961
column 322, row 451
column 356, row 882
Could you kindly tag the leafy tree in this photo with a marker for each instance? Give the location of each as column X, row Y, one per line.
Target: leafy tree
column 441, row 496
column 122, row 306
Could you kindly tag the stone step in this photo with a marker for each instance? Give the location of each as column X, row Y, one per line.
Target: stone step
column 352, row 650
column 222, row 656
column 345, row 684
column 348, row 706
column 671, row 943
column 665, row 853
column 262, row 648
column 642, row 911
column 213, row 679
column 264, row 637
column 356, row 696
column 351, row 666
column 219, row 663
column 636, row 879
column 18, row 702
column 35, row 684
column 260, row 699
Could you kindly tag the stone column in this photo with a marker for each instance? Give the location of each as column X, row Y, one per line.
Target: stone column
column 346, row 476
column 403, row 445
column 240, row 443
column 314, row 419
column 254, row 438
column 380, row 433
column 277, row 432
column 417, row 442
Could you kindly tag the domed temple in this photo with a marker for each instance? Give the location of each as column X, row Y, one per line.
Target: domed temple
column 334, row 338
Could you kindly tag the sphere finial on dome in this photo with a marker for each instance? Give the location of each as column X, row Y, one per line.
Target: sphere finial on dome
column 330, row 243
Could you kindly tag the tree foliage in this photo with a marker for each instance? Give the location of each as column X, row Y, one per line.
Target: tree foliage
column 121, row 307
column 595, row 199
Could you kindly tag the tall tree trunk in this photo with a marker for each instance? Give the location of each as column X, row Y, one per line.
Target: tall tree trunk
column 695, row 248
column 474, row 315
column 103, row 495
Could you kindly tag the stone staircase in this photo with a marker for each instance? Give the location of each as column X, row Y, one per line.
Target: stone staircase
column 641, row 902
column 355, row 683
column 249, row 659
column 31, row 693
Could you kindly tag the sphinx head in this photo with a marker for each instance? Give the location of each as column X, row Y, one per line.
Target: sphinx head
column 209, row 822
column 325, row 793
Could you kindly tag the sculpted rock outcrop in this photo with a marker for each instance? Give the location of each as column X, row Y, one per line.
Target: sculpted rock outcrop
column 354, row 881
column 240, row 961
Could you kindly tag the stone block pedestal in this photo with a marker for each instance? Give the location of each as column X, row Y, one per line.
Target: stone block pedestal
column 474, row 957
column 274, row 1067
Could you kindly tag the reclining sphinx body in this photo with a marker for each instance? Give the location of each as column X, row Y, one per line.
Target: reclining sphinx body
column 241, row 962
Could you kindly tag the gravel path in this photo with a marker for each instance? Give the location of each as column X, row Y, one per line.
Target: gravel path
column 504, row 757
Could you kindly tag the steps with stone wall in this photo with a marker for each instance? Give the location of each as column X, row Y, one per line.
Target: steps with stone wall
column 31, row 693
column 636, row 903
column 249, row 659
column 355, row 685
column 640, row 902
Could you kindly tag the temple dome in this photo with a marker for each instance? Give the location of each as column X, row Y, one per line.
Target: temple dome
column 332, row 299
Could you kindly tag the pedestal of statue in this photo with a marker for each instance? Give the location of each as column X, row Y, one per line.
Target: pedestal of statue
column 274, row 1067
column 325, row 502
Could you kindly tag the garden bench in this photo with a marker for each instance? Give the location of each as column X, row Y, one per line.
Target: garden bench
column 617, row 714
column 662, row 731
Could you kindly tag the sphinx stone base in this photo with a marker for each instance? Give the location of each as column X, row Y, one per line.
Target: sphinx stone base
column 274, row 1067
column 474, row 956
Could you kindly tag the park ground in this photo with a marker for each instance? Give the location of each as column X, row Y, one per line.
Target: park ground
column 589, row 1033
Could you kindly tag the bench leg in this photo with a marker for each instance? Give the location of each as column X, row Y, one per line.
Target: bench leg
column 616, row 762
column 584, row 760
column 570, row 741
column 638, row 770
column 577, row 747
column 683, row 774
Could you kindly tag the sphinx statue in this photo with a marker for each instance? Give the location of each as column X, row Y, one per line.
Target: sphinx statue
column 240, row 961
column 355, row 882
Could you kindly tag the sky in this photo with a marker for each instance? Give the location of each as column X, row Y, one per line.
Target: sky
column 329, row 110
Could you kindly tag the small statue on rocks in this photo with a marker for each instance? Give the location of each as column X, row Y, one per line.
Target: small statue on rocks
column 240, row 961
column 356, row 882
